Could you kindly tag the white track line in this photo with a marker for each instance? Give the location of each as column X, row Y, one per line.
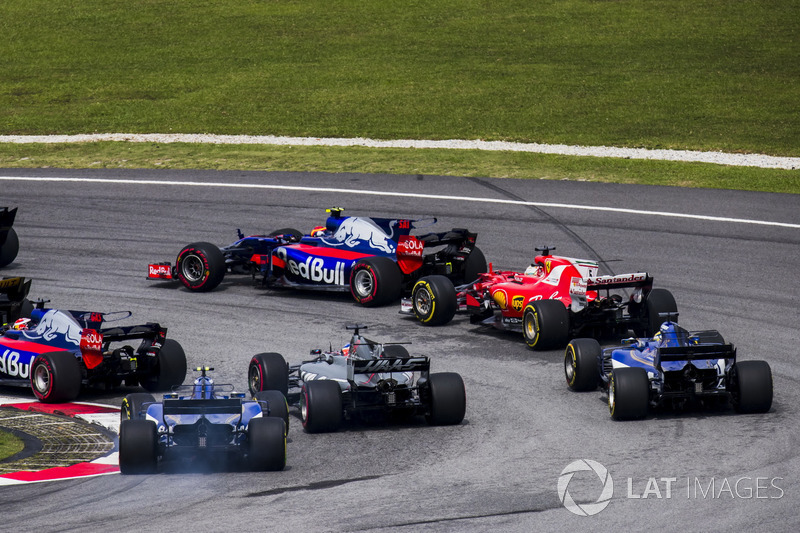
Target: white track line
column 401, row 195
column 717, row 158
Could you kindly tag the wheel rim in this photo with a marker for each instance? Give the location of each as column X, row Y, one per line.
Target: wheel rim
column 304, row 409
column 569, row 368
column 255, row 379
column 42, row 378
column 363, row 283
column 423, row 301
column 193, row 268
column 530, row 326
column 611, row 395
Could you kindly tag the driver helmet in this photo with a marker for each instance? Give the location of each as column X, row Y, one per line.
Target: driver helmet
column 534, row 270
column 21, row 323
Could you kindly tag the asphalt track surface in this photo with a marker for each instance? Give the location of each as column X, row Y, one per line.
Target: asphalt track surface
column 87, row 246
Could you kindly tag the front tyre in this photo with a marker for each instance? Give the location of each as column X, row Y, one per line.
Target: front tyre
column 448, row 399
column 321, row 406
column 200, row 266
column 274, row 404
column 434, row 300
column 56, row 377
column 138, row 447
column 268, row 371
column 545, row 324
column 658, row 301
column 751, row 384
column 267, row 444
column 375, row 281
column 10, row 248
column 628, row 393
column 581, row 364
column 170, row 370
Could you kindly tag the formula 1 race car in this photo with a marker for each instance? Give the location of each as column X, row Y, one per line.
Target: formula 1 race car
column 9, row 242
column 556, row 299
column 376, row 259
column 673, row 368
column 56, row 352
column 202, row 419
column 364, row 378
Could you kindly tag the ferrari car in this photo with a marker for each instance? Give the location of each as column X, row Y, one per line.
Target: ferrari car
column 56, row 351
column 672, row 369
column 204, row 420
column 365, row 378
column 555, row 299
column 9, row 242
column 373, row 258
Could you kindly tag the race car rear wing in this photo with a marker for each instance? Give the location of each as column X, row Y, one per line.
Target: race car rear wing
column 619, row 281
column 397, row 364
column 202, row 407
column 694, row 353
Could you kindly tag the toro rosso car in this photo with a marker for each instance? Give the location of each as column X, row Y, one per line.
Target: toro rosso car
column 673, row 368
column 56, row 352
column 202, row 421
column 9, row 243
column 555, row 299
column 376, row 259
column 364, row 378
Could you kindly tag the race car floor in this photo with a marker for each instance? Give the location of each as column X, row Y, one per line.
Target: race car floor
column 62, row 441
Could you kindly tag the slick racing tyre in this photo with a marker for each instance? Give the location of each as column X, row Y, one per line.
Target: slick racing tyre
column 134, row 406
column 267, row 444
column 200, row 266
column 268, row 371
column 751, row 386
column 628, row 393
column 171, row 368
column 475, row 264
column 394, row 350
column 9, row 249
column 56, row 377
column 288, row 234
column 448, row 399
column 581, row 364
column 375, row 281
column 321, row 406
column 658, row 301
column 545, row 324
column 138, row 447
column 274, row 405
column 433, row 300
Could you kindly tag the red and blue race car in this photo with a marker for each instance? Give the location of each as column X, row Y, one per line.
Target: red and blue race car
column 376, row 259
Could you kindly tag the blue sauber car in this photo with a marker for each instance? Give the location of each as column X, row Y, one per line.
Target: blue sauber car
column 673, row 368
column 376, row 259
column 56, row 352
column 203, row 421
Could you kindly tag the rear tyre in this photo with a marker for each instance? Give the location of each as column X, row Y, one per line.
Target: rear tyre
column 394, row 350
column 474, row 265
column 133, row 406
column 10, row 248
column 138, row 447
column 375, row 281
column 448, row 399
column 433, row 300
column 267, row 444
column 275, row 405
column 268, row 371
column 200, row 266
column 628, row 393
column 56, row 377
column 171, row 368
column 321, row 406
column 751, row 384
column 545, row 324
column 581, row 364
column 658, row 301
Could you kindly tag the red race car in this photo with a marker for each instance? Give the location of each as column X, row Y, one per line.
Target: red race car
column 555, row 299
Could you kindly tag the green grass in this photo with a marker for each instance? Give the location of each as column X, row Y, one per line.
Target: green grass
column 397, row 161
column 690, row 74
column 9, row 445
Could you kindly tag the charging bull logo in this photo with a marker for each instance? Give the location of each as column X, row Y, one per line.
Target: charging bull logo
column 54, row 324
column 354, row 230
